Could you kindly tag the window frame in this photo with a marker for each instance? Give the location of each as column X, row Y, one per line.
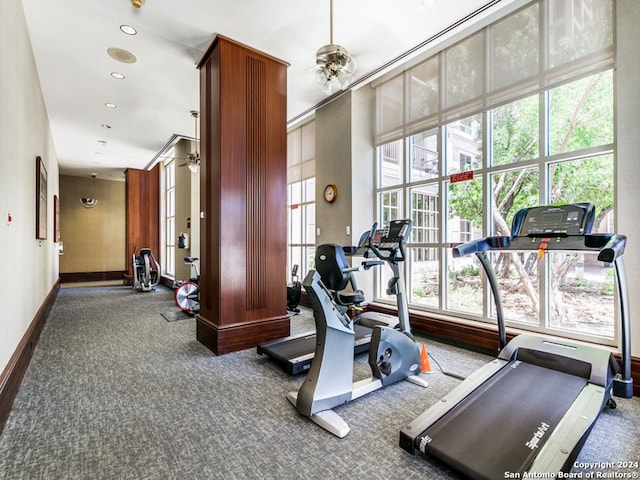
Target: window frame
column 438, row 122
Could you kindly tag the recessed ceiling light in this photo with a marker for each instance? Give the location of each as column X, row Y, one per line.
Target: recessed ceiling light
column 121, row 55
column 128, row 29
column 110, row 105
column 117, row 75
column 104, row 125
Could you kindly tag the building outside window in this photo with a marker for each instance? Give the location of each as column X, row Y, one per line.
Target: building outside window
column 529, row 122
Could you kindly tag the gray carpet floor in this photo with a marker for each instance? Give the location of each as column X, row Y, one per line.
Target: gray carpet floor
column 114, row 391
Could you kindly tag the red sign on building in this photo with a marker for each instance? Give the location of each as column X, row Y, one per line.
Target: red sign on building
column 461, row 177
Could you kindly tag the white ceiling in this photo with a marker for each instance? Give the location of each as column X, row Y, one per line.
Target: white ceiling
column 70, row 39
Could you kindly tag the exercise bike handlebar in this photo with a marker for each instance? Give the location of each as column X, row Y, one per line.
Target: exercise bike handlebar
column 393, row 256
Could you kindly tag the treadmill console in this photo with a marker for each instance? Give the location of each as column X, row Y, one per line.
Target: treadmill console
column 556, row 221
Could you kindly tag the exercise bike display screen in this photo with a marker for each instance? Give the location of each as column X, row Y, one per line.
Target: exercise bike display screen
column 393, row 234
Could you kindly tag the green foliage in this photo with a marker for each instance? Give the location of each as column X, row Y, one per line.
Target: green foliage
column 581, row 117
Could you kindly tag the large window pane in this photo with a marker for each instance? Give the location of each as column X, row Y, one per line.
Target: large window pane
column 391, row 162
column 424, row 91
column 464, row 210
column 310, row 259
column 464, row 223
column 464, row 284
column 295, row 193
column 464, row 144
column 294, row 147
column 424, row 158
column 511, row 191
column 517, row 276
column 465, row 70
column 390, row 104
column 425, row 214
column 295, row 222
column 578, row 28
column 309, row 190
column 515, row 54
column 585, row 180
column 581, row 288
column 581, row 294
column 517, row 273
column 515, row 131
column 424, row 281
column 309, row 223
column 581, row 114
column 389, row 206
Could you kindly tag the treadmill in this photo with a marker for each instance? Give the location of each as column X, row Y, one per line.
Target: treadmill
column 532, row 408
column 295, row 353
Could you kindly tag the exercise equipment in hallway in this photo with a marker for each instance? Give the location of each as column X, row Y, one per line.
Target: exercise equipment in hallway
column 146, row 270
column 187, row 295
column 393, row 353
column 294, row 354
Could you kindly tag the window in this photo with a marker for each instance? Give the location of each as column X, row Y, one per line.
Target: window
column 301, row 192
column 170, row 217
column 536, row 127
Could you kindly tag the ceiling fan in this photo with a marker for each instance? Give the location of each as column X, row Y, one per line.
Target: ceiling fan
column 192, row 159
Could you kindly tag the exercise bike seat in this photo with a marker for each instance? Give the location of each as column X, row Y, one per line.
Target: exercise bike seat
column 190, row 259
column 332, row 265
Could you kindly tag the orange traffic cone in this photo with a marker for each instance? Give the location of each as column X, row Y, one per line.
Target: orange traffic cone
column 424, row 360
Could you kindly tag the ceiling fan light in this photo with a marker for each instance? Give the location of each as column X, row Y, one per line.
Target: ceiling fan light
column 329, row 87
column 344, row 80
column 334, row 64
column 322, row 75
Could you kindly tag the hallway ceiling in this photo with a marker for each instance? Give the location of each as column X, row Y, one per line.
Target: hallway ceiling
column 70, row 39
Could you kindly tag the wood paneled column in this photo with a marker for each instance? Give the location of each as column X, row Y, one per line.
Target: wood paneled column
column 143, row 214
column 243, row 197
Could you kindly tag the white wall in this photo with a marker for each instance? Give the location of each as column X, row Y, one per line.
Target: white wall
column 627, row 125
column 29, row 267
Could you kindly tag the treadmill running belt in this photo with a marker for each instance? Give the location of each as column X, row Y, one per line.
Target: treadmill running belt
column 500, row 427
column 297, row 352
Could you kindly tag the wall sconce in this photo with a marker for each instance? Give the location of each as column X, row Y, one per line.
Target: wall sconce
column 89, row 201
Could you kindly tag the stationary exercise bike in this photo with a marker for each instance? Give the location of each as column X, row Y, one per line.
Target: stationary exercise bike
column 146, row 270
column 393, row 353
column 187, row 295
column 294, row 289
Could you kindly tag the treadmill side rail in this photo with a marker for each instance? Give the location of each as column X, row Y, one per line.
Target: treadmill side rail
column 564, row 444
column 411, row 431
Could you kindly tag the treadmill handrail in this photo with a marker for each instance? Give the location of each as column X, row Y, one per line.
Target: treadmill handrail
column 609, row 247
column 613, row 249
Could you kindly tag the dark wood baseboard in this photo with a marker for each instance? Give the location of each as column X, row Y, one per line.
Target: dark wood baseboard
column 239, row 336
column 480, row 338
column 12, row 376
column 92, row 276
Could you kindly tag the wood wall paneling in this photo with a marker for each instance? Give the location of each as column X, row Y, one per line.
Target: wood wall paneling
column 143, row 214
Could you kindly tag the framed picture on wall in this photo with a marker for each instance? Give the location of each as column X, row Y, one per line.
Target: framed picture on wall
column 56, row 219
column 41, row 199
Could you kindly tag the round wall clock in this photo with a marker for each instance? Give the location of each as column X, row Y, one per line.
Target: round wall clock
column 330, row 193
